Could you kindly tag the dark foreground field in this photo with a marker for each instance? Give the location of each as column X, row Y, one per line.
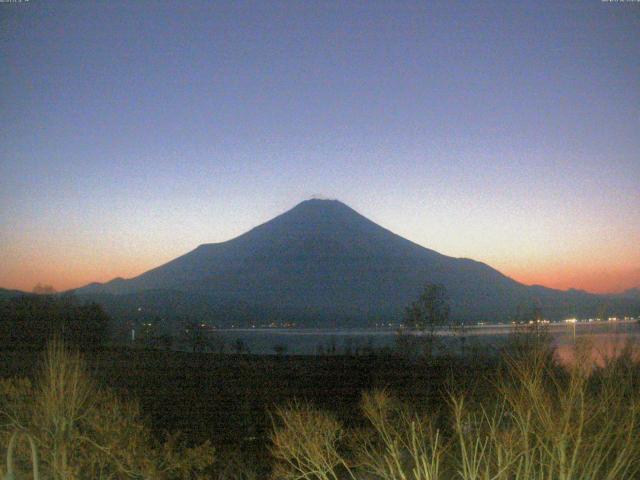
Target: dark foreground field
column 228, row 398
column 376, row 417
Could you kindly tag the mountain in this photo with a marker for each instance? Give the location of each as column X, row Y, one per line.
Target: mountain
column 6, row 294
column 632, row 293
column 322, row 263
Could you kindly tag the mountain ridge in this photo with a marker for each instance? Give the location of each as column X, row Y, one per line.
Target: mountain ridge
column 325, row 262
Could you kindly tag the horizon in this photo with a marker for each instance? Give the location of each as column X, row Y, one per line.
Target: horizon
column 314, row 198
column 502, row 133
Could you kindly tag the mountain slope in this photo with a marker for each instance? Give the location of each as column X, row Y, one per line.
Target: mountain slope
column 322, row 262
column 5, row 294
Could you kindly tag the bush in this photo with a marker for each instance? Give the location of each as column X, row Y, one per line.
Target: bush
column 86, row 432
column 307, row 443
column 540, row 421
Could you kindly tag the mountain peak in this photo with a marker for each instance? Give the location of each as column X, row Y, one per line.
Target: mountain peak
column 320, row 201
column 316, row 214
column 322, row 204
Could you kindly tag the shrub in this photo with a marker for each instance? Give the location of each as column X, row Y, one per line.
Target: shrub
column 551, row 423
column 540, row 422
column 399, row 444
column 86, row 432
column 307, row 444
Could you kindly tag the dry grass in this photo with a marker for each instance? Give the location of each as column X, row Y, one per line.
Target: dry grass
column 85, row 432
column 308, row 445
column 539, row 422
column 542, row 422
column 554, row 424
column 402, row 444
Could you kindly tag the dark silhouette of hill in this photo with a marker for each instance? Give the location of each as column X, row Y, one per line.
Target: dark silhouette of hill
column 323, row 263
column 6, row 293
column 633, row 293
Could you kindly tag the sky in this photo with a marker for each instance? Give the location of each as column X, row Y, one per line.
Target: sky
column 506, row 132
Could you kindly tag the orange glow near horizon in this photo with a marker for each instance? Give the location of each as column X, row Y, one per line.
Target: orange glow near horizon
column 74, row 273
column 62, row 279
column 594, row 280
column 562, row 258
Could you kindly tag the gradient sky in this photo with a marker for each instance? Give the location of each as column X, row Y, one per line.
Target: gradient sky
column 507, row 132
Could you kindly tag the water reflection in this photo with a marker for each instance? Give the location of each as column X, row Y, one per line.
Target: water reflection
column 597, row 349
column 607, row 339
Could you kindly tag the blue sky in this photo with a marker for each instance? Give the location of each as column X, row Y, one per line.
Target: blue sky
column 501, row 131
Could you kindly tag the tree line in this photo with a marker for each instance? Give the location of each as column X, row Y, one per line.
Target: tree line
column 29, row 321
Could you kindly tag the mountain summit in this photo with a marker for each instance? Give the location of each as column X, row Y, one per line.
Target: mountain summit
column 322, row 262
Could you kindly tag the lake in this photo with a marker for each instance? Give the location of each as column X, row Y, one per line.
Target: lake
column 607, row 338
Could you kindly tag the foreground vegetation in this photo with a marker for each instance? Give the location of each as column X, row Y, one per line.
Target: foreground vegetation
column 539, row 423
column 525, row 418
column 80, row 430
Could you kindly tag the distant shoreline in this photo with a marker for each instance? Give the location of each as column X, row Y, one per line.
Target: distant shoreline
column 487, row 329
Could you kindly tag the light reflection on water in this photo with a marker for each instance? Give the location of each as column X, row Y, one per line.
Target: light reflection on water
column 607, row 339
column 598, row 348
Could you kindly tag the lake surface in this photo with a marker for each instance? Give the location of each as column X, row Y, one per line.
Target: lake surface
column 606, row 338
